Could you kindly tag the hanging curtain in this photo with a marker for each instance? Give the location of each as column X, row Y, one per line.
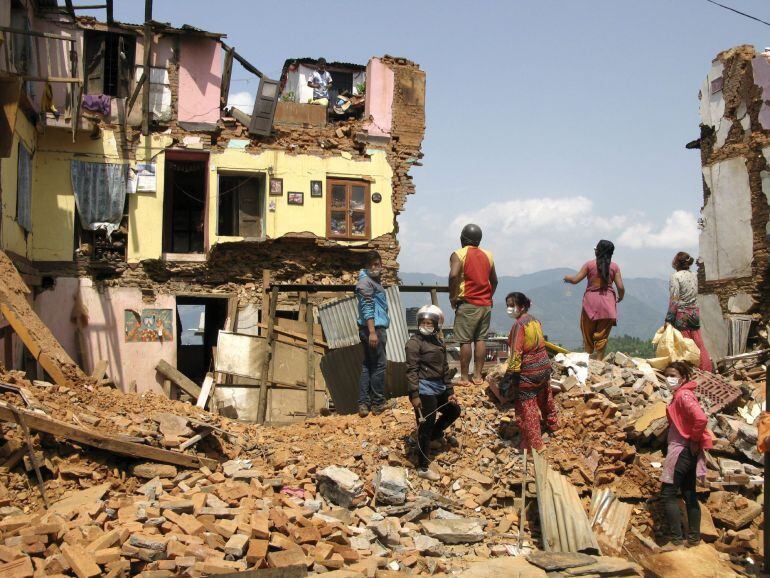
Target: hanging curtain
column 100, row 194
column 24, row 189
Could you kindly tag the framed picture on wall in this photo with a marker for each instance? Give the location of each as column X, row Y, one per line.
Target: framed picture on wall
column 276, row 187
column 296, row 198
column 316, row 189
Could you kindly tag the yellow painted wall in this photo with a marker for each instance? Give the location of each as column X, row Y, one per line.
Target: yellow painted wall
column 13, row 238
column 146, row 209
column 53, row 202
column 297, row 171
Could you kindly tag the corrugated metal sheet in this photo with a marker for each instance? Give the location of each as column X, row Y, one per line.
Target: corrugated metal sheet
column 339, row 320
column 341, row 366
column 609, row 519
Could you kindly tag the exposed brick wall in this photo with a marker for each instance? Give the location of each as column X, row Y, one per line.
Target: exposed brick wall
column 739, row 89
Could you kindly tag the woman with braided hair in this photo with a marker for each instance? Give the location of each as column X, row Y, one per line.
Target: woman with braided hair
column 600, row 312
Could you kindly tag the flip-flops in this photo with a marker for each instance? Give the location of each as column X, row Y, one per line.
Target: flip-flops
column 478, row 381
column 462, row 383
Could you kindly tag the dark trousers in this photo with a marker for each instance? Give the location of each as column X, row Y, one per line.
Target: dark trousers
column 684, row 480
column 371, row 386
column 432, row 428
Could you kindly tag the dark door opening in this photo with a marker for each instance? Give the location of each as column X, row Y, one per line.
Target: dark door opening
column 199, row 320
column 241, row 201
column 184, row 206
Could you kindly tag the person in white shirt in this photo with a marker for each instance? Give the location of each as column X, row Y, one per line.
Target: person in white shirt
column 320, row 82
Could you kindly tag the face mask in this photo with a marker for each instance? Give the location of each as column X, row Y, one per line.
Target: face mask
column 513, row 312
column 673, row 382
column 426, row 331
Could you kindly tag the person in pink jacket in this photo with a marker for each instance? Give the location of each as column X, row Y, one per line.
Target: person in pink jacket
column 685, row 462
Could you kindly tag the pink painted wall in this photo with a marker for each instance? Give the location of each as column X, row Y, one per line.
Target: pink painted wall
column 161, row 50
column 379, row 98
column 200, row 79
column 105, row 331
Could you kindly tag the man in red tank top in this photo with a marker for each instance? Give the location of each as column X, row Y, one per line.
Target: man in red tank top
column 472, row 283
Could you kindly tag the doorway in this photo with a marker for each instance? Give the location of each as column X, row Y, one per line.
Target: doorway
column 199, row 320
column 184, row 203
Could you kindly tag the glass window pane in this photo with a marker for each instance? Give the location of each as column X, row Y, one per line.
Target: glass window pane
column 357, row 198
column 338, row 223
column 339, row 199
column 358, row 223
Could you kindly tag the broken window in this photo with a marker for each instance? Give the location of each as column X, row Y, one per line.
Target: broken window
column 348, row 209
column 108, row 63
column 240, row 201
column 24, row 189
column 184, row 195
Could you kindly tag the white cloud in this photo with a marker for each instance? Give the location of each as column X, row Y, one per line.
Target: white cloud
column 536, row 215
column 244, row 100
column 679, row 231
column 528, row 235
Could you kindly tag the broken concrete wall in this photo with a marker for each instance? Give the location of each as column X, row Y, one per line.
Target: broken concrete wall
column 735, row 154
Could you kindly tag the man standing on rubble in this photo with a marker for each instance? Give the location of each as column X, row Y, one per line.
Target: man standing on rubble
column 320, row 82
column 472, row 283
column 373, row 320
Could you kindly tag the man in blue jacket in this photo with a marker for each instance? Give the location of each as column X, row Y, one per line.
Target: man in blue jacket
column 373, row 320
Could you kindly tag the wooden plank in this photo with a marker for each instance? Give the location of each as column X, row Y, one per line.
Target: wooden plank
column 148, row 37
column 208, row 384
column 269, row 350
column 310, row 359
column 42, row 423
column 226, row 75
column 178, row 378
column 45, row 361
column 297, row 336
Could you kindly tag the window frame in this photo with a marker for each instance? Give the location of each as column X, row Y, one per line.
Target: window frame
column 348, row 184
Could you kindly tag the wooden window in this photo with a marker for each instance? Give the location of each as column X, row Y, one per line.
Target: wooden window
column 348, row 209
column 109, row 62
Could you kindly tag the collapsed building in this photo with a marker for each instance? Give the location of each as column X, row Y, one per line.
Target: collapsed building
column 147, row 215
column 734, row 272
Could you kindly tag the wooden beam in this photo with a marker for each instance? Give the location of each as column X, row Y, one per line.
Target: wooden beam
column 147, row 55
column 310, row 359
column 47, row 362
column 45, row 424
column 178, row 378
column 110, row 18
column 242, row 61
column 226, row 75
column 70, row 7
column 269, row 351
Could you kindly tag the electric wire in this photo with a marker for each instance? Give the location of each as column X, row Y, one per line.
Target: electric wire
column 765, row 22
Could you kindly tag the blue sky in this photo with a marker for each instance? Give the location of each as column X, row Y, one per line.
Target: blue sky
column 550, row 123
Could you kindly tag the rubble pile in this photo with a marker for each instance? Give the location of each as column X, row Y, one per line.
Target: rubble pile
column 340, row 492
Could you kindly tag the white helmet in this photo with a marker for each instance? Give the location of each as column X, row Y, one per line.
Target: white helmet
column 431, row 312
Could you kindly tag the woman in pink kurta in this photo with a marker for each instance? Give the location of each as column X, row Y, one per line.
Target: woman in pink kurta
column 685, row 459
column 599, row 314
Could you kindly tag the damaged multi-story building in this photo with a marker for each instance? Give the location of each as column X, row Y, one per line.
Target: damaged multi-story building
column 144, row 212
column 734, row 271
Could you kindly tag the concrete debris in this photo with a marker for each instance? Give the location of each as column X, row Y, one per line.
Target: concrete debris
column 456, row 531
column 391, row 485
column 339, row 485
column 553, row 561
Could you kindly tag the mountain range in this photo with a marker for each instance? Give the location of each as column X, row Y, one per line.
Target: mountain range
column 557, row 305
